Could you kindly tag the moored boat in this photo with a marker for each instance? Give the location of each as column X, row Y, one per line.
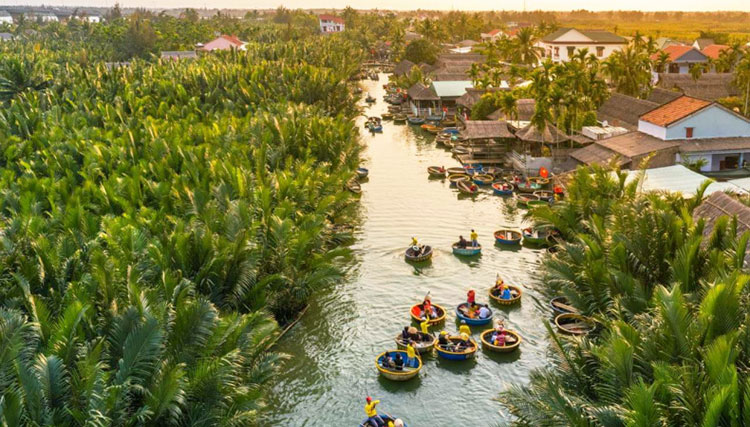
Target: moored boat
column 460, row 150
column 574, row 324
column 528, row 187
column 515, row 295
column 417, row 308
column 545, row 195
column 362, row 173
column 508, row 237
column 561, row 305
column 536, row 203
column 387, row 116
column 399, row 118
column 467, row 187
column 413, row 120
column 453, row 352
column 467, row 251
column 471, row 321
column 450, row 130
column 524, row 199
column 454, row 171
column 535, row 236
column 423, row 255
column 472, row 168
column 483, row 179
column 502, row 189
column 542, row 182
column 512, row 341
column 494, row 171
column 354, row 186
column 456, row 178
column 424, row 344
column 410, row 369
column 370, row 99
column 436, row 171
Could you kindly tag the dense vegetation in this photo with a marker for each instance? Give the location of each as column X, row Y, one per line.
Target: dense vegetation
column 159, row 218
column 673, row 347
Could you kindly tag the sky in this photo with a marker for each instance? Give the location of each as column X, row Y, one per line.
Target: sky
column 646, row 5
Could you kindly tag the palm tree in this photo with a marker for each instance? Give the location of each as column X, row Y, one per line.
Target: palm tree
column 525, row 49
column 509, row 106
column 17, row 77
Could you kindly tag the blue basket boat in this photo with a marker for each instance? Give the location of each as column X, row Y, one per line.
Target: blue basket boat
column 469, row 320
column 455, row 354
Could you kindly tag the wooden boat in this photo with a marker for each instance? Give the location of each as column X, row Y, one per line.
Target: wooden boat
column 535, row 236
column 376, row 128
column 455, row 179
column 512, row 341
column 448, row 122
column 435, row 117
column 467, row 251
column 453, row 354
column 540, row 181
column 524, row 199
column 467, row 187
column 574, row 324
column 428, row 126
column 370, row 99
column 442, row 139
column 409, row 372
column 502, row 189
column 528, row 187
column 482, row 179
column 422, row 256
column 515, row 295
column 417, row 308
column 472, row 321
column 450, row 130
column 494, row 171
column 436, row 171
column 386, row 418
column 413, row 120
column 561, row 305
column 545, row 195
column 424, row 344
column 362, row 173
column 399, row 118
column 434, row 130
column 354, row 187
column 387, row 116
column 456, row 171
column 459, row 150
column 536, row 203
column 508, row 237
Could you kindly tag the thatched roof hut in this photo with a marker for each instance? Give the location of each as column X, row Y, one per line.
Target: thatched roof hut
column 549, row 134
column 709, row 86
column 525, row 108
column 403, row 68
column 486, row 129
column 720, row 204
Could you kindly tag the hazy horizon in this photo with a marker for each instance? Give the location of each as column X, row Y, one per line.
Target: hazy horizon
column 467, row 5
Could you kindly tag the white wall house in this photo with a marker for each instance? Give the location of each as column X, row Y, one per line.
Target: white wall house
column 330, row 24
column 5, row 18
column 94, row 19
column 561, row 45
column 43, row 17
column 681, row 58
column 705, row 130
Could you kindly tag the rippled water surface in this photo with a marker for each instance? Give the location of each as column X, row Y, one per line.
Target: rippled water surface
column 333, row 347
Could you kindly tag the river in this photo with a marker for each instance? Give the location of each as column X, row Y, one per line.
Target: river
column 332, row 349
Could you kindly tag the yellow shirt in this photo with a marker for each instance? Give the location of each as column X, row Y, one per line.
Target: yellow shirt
column 414, row 242
column 410, row 352
column 464, row 329
column 425, row 326
column 370, row 408
column 474, row 236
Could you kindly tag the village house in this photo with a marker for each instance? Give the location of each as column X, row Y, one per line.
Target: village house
column 686, row 130
column 714, row 50
column 492, row 35
column 176, row 55
column 710, row 86
column 561, row 45
column 90, row 18
column 5, row 18
column 681, row 58
column 41, row 16
column 223, row 42
column 330, row 24
column 701, row 43
column 6, row 37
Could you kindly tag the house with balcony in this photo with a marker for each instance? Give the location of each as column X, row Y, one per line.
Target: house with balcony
column 685, row 130
column 331, row 24
column 562, row 44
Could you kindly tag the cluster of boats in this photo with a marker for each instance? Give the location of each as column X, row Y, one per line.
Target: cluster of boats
column 353, row 184
column 450, row 347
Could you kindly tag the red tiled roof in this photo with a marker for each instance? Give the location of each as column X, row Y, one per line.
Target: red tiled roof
column 333, row 18
column 232, row 39
column 674, row 52
column 713, row 50
column 494, row 32
column 674, row 111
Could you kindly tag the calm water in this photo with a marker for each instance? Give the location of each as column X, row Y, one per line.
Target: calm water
column 334, row 346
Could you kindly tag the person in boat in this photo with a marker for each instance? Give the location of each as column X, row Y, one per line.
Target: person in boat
column 411, row 354
column 398, row 362
column 464, row 328
column 474, row 238
column 372, row 414
column 506, row 293
column 484, row 312
column 388, row 361
column 425, row 326
column 413, row 333
column 416, row 247
column 498, row 339
column 465, row 342
column 470, row 298
column 443, row 341
column 405, row 334
column 462, row 243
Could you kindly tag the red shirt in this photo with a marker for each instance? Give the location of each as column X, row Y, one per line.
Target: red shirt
column 470, row 297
